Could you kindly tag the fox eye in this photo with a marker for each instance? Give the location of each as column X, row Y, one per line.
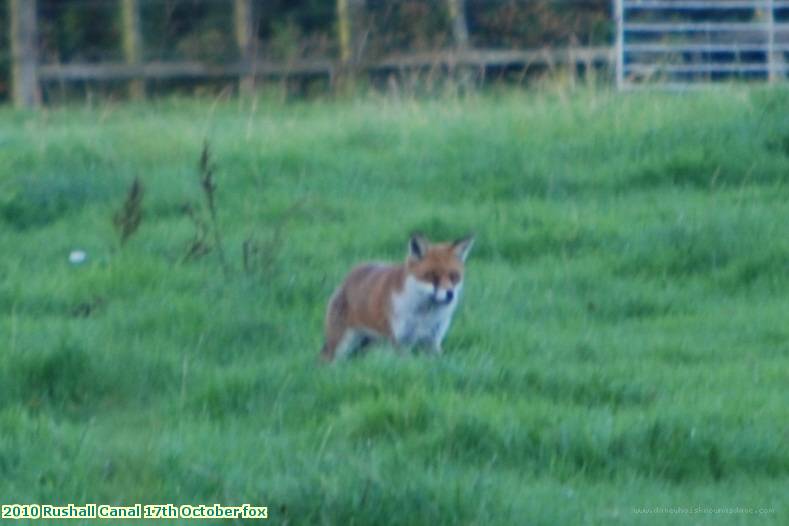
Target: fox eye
column 454, row 277
column 432, row 277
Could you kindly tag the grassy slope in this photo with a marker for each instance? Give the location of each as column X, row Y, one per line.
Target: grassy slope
column 622, row 341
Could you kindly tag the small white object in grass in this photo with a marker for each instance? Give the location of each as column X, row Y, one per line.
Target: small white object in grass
column 77, row 256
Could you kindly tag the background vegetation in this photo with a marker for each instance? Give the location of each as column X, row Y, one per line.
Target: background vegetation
column 622, row 342
column 90, row 30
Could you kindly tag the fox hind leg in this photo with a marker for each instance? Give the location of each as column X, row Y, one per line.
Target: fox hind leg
column 341, row 339
column 329, row 348
column 348, row 343
column 336, row 327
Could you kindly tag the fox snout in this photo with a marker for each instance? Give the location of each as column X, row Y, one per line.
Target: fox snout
column 436, row 293
column 444, row 296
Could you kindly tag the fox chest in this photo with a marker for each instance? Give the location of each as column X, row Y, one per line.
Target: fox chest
column 414, row 322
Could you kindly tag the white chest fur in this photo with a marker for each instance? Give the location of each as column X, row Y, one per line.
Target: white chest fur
column 416, row 319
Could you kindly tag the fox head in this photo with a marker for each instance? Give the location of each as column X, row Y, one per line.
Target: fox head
column 438, row 267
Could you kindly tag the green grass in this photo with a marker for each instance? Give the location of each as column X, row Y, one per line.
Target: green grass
column 622, row 341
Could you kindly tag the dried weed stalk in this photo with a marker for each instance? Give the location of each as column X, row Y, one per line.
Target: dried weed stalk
column 208, row 185
column 199, row 246
column 127, row 220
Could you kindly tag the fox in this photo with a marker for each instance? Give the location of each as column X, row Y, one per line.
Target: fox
column 409, row 304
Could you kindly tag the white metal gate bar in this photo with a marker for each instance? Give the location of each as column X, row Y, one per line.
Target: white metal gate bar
column 706, row 5
column 713, row 48
column 680, row 42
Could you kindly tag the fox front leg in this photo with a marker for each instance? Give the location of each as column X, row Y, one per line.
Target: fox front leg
column 437, row 336
column 430, row 346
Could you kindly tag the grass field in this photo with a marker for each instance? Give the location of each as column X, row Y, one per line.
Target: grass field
column 622, row 343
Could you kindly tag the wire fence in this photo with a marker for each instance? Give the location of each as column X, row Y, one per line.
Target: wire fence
column 201, row 35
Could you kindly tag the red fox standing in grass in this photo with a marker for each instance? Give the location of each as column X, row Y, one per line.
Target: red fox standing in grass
column 408, row 304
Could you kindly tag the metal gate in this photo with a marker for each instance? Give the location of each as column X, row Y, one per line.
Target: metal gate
column 680, row 43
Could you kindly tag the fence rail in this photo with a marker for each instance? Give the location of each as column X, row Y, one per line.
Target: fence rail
column 449, row 59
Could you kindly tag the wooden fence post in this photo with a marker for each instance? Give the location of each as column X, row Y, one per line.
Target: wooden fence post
column 350, row 16
column 344, row 30
column 245, row 39
column 132, row 44
column 24, row 68
column 457, row 14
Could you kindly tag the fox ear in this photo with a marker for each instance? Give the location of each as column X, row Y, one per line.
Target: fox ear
column 417, row 246
column 462, row 247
